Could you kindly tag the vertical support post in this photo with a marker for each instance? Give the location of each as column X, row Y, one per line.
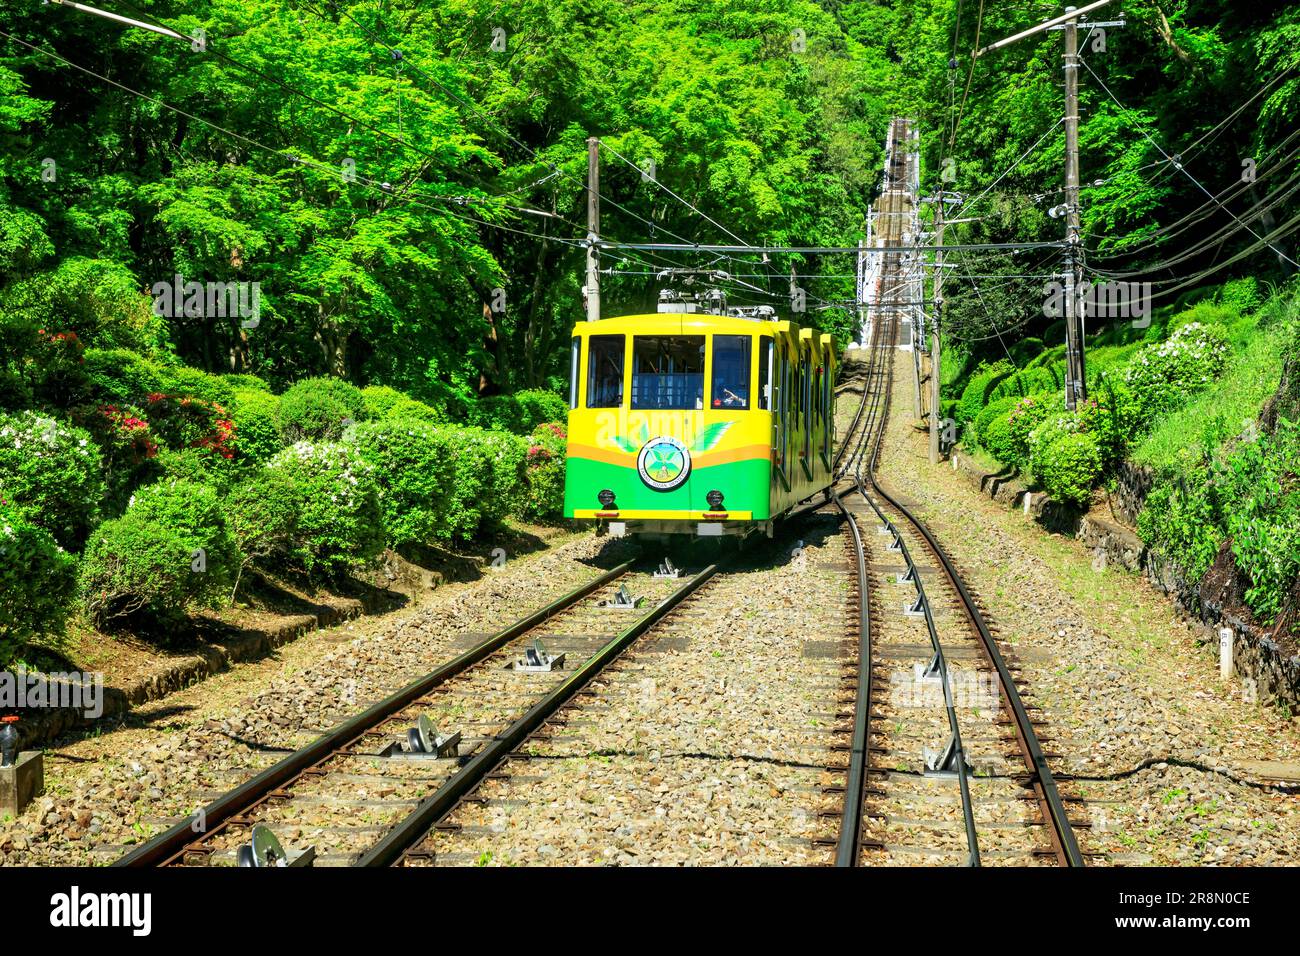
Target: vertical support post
column 593, row 228
column 936, row 366
column 1075, row 376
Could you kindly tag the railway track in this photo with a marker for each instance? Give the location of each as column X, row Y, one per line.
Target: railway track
column 946, row 761
column 368, row 791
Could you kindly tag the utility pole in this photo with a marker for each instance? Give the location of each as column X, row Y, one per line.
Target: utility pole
column 1076, row 384
column 593, row 228
column 936, row 312
column 1076, row 376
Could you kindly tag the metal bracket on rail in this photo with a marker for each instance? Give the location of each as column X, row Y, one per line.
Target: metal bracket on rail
column 668, row 570
column 423, row 742
column 917, row 607
column 943, row 763
column 264, row 850
column 930, row 671
column 536, row 659
column 908, row 576
column 622, row 600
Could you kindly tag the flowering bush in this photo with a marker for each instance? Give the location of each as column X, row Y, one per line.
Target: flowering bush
column 544, row 496
column 186, row 422
column 54, row 472
column 125, row 441
column 37, row 583
column 1164, row 375
column 171, row 551
column 415, row 468
column 262, row 512
column 57, row 360
column 340, row 525
column 1026, row 415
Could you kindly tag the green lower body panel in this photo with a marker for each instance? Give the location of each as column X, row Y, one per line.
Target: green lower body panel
column 745, row 486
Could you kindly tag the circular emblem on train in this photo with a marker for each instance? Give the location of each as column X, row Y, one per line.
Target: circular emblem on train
column 663, row 463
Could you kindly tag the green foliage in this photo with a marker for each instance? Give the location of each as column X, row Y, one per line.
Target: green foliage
column 318, row 409
column 976, row 394
column 520, row 413
column 181, row 380
column 170, row 553
column 408, row 408
column 1069, row 466
column 194, row 465
column 489, row 478
column 127, row 447
column 544, row 497
column 257, row 426
column 1027, row 414
column 998, row 439
column 1179, row 520
column 1242, row 295
column 262, row 513
column 379, row 399
column 340, row 525
column 54, row 472
column 120, row 377
column 37, row 584
column 1164, row 376
column 415, row 468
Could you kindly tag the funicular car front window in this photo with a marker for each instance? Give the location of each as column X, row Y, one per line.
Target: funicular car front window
column 731, row 371
column 668, row 371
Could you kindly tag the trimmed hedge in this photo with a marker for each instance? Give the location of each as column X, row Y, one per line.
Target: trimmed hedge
column 415, row 469
column 54, row 472
column 340, row 525
column 169, row 553
column 37, row 583
column 318, row 409
column 257, row 426
column 1069, row 467
column 977, row 391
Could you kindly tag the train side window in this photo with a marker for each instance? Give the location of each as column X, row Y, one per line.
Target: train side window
column 574, row 367
column 765, row 353
column 731, row 371
column 605, row 371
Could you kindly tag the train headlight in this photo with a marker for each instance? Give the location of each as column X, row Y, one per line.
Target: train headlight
column 714, row 498
column 606, row 499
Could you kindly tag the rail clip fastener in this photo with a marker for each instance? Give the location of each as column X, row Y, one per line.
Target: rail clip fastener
column 536, row 659
column 264, row 850
column 668, row 570
column 423, row 742
column 621, row 601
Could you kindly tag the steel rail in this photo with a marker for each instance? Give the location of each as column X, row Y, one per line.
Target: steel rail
column 171, row 844
column 393, row 845
column 1064, row 842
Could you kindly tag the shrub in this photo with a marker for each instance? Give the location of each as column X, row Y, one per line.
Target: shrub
column 54, row 472
column 1163, row 376
column 340, row 525
column 318, row 409
column 997, row 438
column 262, row 512
column 988, row 413
column 185, row 422
column 409, row 408
column 379, row 399
column 246, row 383
column 1178, row 520
column 126, row 443
column 119, row 377
column 195, row 465
column 169, row 553
column 489, row 477
column 544, row 495
column 520, row 413
column 37, row 583
column 976, row 393
column 1069, row 467
column 415, row 469
column 257, row 423
column 1026, row 415
column 195, row 383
